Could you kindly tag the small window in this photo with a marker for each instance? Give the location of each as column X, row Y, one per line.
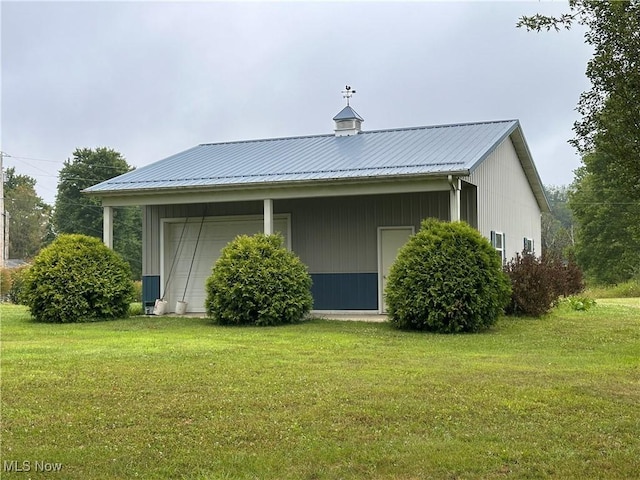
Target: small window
column 528, row 245
column 498, row 242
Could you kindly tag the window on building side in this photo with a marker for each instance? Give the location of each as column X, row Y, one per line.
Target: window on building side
column 528, row 245
column 498, row 242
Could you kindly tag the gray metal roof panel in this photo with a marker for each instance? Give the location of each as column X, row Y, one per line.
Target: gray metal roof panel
column 407, row 151
column 348, row 113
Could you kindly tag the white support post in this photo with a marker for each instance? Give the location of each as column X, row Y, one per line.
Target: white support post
column 268, row 216
column 454, row 198
column 107, row 226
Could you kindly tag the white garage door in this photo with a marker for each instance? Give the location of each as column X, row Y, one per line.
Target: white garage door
column 180, row 241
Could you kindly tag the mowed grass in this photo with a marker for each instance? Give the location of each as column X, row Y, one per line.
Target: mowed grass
column 149, row 397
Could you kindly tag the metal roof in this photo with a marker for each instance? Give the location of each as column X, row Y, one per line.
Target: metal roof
column 433, row 150
column 348, row 113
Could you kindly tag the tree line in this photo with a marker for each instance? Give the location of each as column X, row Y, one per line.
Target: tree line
column 33, row 224
column 604, row 198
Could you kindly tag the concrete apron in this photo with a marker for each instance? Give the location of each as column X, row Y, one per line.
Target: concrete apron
column 369, row 317
column 346, row 317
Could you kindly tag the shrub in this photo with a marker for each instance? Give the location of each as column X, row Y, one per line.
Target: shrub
column 538, row 282
column 533, row 286
column 256, row 281
column 447, row 278
column 136, row 309
column 5, row 282
column 78, row 278
column 17, row 275
column 567, row 275
column 137, row 289
column 580, row 303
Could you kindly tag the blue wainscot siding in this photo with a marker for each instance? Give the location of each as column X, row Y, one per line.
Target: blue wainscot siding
column 150, row 291
column 345, row 291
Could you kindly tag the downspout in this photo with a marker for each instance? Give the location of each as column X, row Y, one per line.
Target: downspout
column 454, row 197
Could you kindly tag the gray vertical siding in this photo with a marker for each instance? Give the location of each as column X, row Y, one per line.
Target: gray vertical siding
column 336, row 237
column 469, row 204
column 505, row 200
column 150, row 241
column 339, row 234
column 331, row 235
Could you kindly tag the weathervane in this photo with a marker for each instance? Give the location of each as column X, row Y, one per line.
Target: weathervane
column 347, row 93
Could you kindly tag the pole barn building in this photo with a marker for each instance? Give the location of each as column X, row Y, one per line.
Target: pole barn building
column 344, row 202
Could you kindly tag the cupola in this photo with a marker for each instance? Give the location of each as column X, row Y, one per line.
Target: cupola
column 348, row 122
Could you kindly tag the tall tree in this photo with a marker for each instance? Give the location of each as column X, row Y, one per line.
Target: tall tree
column 29, row 216
column 558, row 225
column 76, row 212
column 605, row 196
column 608, row 246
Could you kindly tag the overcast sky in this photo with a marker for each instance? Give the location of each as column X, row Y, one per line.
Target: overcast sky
column 151, row 79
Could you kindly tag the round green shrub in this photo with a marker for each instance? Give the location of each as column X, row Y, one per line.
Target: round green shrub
column 78, row 278
column 257, row 281
column 447, row 278
column 5, row 282
column 14, row 294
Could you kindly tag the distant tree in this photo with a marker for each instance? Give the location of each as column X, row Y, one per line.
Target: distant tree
column 29, row 216
column 605, row 196
column 608, row 246
column 558, row 226
column 76, row 212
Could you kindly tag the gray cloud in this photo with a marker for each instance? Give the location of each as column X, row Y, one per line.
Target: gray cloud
column 151, row 79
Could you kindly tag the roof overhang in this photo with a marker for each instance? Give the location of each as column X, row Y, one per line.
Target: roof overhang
column 278, row 191
column 530, row 170
column 526, row 161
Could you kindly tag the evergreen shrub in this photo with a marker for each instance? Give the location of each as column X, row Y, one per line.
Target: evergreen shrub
column 17, row 276
column 78, row 278
column 5, row 282
column 257, row 281
column 447, row 278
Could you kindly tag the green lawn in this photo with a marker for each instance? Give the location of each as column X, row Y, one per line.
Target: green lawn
column 149, row 397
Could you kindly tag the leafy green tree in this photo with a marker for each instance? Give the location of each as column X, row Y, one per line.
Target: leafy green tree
column 76, row 212
column 608, row 246
column 558, row 226
column 605, row 196
column 29, row 215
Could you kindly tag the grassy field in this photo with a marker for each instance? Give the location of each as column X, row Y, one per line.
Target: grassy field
column 149, row 397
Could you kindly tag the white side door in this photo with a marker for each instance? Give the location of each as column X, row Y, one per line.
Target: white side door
column 390, row 240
